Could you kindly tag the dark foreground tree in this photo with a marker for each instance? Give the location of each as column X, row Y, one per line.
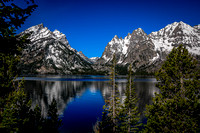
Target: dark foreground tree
column 18, row 116
column 11, row 18
column 119, row 117
column 129, row 114
column 111, row 110
column 52, row 123
column 177, row 107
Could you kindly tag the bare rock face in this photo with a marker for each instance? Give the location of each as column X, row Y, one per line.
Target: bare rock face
column 175, row 34
column 136, row 48
column 50, row 52
column 147, row 52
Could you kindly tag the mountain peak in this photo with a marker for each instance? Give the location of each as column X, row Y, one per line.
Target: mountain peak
column 58, row 34
column 138, row 30
column 175, row 34
column 35, row 28
column 116, row 37
column 39, row 25
column 56, row 31
column 197, row 27
column 51, row 53
column 174, row 29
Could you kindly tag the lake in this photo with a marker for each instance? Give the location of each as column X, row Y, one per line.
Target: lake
column 80, row 99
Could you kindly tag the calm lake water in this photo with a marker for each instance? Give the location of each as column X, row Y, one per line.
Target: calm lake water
column 80, row 99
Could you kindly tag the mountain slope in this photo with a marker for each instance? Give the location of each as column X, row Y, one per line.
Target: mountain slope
column 50, row 52
column 135, row 48
column 145, row 51
column 175, row 34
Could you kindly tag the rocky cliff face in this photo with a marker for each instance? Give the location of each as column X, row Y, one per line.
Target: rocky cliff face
column 50, row 52
column 136, row 48
column 175, row 34
column 144, row 51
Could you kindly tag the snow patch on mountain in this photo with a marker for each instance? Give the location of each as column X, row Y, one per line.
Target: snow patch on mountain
column 94, row 59
column 175, row 34
column 143, row 50
column 50, row 52
column 155, row 58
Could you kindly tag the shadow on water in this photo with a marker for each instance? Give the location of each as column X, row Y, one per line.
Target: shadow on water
column 80, row 100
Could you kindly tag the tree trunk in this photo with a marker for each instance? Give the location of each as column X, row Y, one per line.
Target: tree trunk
column 182, row 88
column 114, row 99
column 129, row 113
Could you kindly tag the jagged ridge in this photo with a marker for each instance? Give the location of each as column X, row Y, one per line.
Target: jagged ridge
column 143, row 50
column 50, row 52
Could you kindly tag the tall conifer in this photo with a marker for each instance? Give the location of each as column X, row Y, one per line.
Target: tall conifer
column 177, row 107
column 129, row 112
column 110, row 119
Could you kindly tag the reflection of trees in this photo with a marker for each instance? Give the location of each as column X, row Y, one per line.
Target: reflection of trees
column 145, row 91
column 43, row 92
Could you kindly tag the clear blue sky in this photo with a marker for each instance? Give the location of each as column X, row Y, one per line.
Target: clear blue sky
column 90, row 24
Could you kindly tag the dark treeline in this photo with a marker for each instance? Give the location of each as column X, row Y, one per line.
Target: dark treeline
column 175, row 109
column 16, row 113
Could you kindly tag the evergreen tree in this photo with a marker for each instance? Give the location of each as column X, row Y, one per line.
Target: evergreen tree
column 16, row 112
column 11, row 18
column 18, row 115
column 110, row 119
column 177, row 107
column 129, row 114
column 52, row 123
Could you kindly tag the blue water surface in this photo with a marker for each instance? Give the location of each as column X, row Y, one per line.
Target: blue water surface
column 82, row 113
column 80, row 99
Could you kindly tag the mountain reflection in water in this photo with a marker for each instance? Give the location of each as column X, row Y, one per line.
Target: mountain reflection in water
column 80, row 100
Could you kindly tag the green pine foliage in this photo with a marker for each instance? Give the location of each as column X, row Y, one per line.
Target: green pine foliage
column 129, row 114
column 52, row 123
column 18, row 116
column 112, row 108
column 7, row 72
column 16, row 113
column 11, row 18
column 177, row 107
column 119, row 117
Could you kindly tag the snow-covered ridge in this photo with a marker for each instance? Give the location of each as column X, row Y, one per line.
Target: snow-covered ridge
column 94, row 59
column 50, row 52
column 154, row 46
column 121, row 46
column 40, row 32
column 175, row 34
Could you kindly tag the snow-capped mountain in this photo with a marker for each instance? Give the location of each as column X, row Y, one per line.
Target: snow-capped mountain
column 94, row 59
column 80, row 53
column 136, row 48
column 142, row 50
column 175, row 34
column 50, row 52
